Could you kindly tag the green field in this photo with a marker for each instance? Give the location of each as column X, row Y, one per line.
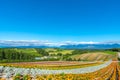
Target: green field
column 53, row 54
column 57, row 51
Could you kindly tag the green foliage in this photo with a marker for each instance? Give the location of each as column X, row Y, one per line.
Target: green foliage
column 62, row 74
column 115, row 49
column 78, row 51
column 25, row 77
column 42, row 52
column 17, row 77
column 110, row 52
column 14, row 55
column 59, row 54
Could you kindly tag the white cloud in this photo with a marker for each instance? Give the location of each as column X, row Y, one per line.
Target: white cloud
column 47, row 43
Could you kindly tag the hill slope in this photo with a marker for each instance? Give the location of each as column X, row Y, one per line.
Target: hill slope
column 96, row 56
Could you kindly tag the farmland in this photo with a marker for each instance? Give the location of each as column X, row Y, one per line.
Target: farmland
column 105, row 71
column 50, row 65
column 96, row 56
column 52, row 54
column 69, row 65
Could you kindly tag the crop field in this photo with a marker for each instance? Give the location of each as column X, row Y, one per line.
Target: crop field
column 96, row 56
column 56, row 65
column 56, row 51
column 104, row 71
column 84, row 65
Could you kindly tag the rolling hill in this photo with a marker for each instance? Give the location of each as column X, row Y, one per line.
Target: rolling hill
column 95, row 56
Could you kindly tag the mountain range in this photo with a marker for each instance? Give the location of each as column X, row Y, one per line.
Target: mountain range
column 66, row 44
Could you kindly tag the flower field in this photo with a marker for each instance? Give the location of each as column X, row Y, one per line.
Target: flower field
column 109, row 70
column 52, row 65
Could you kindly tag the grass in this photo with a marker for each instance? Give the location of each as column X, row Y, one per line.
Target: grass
column 110, row 52
column 56, row 51
column 30, row 51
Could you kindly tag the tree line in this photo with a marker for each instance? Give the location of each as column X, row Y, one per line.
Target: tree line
column 9, row 55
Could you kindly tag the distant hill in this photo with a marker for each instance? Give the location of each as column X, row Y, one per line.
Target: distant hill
column 67, row 45
column 91, row 46
column 94, row 56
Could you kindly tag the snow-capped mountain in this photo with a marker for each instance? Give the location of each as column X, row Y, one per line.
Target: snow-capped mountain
column 65, row 44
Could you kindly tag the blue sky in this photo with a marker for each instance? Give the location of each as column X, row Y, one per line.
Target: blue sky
column 60, row 20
